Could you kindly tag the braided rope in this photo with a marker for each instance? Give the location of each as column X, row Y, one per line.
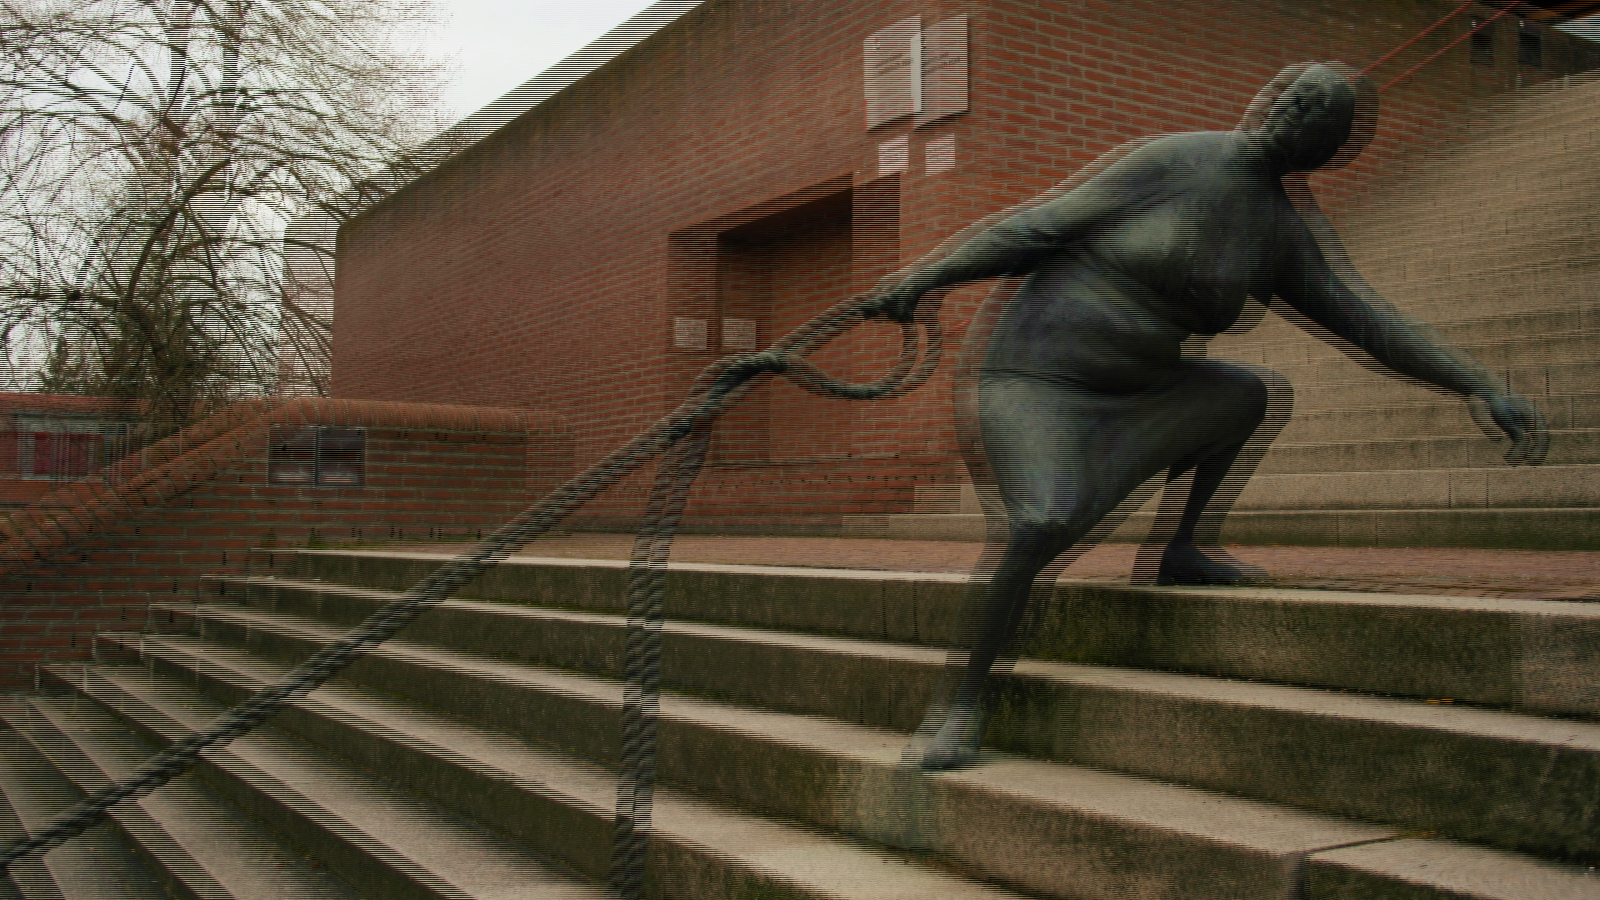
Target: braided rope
column 718, row 388
column 642, row 663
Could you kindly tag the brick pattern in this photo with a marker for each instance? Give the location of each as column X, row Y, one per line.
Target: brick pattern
column 544, row 266
column 93, row 553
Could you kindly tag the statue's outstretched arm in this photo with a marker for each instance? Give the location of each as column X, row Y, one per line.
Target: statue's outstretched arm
column 1332, row 294
column 1320, row 283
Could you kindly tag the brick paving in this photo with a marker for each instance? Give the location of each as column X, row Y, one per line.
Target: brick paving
column 1525, row 574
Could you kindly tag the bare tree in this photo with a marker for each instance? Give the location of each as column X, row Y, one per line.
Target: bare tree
column 153, row 154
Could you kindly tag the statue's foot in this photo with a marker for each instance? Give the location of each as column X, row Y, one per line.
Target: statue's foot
column 948, row 739
column 1185, row 564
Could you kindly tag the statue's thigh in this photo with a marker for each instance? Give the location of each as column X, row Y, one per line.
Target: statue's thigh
column 1065, row 456
column 1058, row 452
column 1215, row 406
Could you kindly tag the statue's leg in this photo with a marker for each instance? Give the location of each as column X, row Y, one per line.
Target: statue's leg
column 1183, row 561
column 1249, row 409
column 1051, row 452
column 953, row 728
column 1062, row 457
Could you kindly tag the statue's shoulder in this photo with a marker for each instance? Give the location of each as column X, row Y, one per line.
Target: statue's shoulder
column 1182, row 151
column 1154, row 165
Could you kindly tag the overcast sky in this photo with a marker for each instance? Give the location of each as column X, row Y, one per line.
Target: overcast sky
column 499, row 44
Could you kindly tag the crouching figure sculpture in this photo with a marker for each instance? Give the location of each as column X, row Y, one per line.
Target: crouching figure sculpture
column 1082, row 392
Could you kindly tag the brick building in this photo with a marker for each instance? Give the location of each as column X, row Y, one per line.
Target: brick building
column 735, row 166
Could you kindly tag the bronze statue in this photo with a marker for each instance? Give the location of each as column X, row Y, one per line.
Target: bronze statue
column 1083, row 393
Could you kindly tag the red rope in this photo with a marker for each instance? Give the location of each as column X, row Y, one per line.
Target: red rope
column 1417, row 37
column 1442, row 50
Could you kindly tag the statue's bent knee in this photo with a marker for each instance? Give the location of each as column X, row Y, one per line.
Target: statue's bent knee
column 1049, row 534
column 1236, row 400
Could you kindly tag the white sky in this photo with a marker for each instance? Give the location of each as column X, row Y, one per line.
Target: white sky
column 498, row 44
column 1588, row 27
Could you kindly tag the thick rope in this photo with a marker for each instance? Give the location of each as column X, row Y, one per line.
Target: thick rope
column 1417, row 37
column 716, row 390
column 642, row 663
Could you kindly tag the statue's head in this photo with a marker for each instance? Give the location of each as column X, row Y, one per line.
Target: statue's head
column 1312, row 116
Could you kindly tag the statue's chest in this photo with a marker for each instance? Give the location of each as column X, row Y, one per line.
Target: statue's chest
column 1203, row 252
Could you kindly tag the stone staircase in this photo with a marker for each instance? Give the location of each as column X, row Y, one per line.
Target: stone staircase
column 1497, row 245
column 1152, row 743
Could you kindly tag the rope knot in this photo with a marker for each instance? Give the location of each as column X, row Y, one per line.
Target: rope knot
column 768, row 361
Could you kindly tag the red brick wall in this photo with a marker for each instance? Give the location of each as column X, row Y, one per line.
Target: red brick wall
column 544, row 266
column 16, row 490
column 91, row 557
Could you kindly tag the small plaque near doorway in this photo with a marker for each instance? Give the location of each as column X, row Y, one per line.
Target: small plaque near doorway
column 689, row 333
column 739, row 334
column 894, row 155
column 940, row 154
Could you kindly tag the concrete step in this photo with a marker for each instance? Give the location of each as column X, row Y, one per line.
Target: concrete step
column 1453, row 304
column 1498, row 151
column 1433, row 868
column 1528, row 655
column 557, row 804
column 1508, row 200
column 1509, row 225
column 199, row 846
column 1450, row 769
column 1558, row 528
column 905, row 607
column 1538, row 365
column 1500, row 177
column 1505, row 487
column 1524, row 115
column 1568, row 447
column 95, row 866
column 1523, row 235
column 1522, row 323
column 949, row 497
column 1429, row 415
column 1334, row 379
column 1048, row 829
column 1547, row 235
column 374, row 837
column 1496, row 164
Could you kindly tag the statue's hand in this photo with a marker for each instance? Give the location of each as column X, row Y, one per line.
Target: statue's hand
column 1522, row 423
column 898, row 303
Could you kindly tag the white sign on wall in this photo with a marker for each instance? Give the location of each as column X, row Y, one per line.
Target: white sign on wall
column 944, row 71
column 939, row 154
column 909, row 71
column 894, row 155
column 689, row 333
column 739, row 334
column 892, row 60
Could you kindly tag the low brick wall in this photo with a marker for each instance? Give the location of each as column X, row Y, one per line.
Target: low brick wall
column 782, row 497
column 92, row 554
